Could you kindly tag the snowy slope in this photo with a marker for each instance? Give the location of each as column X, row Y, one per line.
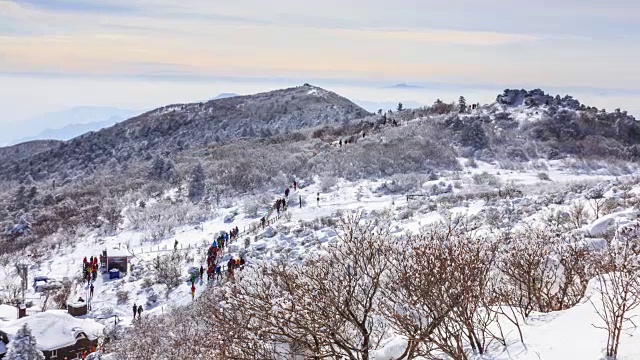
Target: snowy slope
column 562, row 335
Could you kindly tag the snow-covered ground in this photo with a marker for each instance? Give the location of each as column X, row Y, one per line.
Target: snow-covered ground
column 568, row 334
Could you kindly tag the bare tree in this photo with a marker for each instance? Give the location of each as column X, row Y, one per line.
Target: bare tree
column 179, row 334
column 618, row 287
column 578, row 214
column 543, row 271
column 326, row 308
column 347, row 284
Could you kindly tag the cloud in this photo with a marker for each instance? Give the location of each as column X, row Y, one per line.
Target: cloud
column 456, row 40
column 439, row 36
column 74, row 6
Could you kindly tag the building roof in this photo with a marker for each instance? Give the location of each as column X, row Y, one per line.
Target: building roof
column 8, row 313
column 118, row 253
column 54, row 329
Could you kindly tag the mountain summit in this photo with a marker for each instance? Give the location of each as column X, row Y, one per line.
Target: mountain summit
column 174, row 128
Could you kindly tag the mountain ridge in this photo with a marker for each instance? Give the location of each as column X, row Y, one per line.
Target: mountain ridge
column 174, row 128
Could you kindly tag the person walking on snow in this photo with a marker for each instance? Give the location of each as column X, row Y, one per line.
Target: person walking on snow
column 193, row 292
column 300, row 201
column 318, row 199
column 286, row 192
column 135, row 309
column 201, row 272
column 295, row 185
column 175, row 245
column 91, row 291
column 139, row 312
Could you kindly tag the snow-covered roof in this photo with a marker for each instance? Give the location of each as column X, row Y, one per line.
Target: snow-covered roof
column 54, row 329
column 118, row 253
column 8, row 313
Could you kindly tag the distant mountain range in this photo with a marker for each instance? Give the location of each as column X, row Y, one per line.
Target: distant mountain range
column 63, row 125
column 70, row 131
column 403, row 86
column 374, row 106
column 67, row 124
column 225, row 96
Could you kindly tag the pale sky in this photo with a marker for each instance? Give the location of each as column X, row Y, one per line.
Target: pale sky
column 589, row 45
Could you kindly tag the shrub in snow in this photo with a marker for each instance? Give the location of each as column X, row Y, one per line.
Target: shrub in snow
column 544, row 176
column 610, row 206
column 269, row 232
column 327, row 183
column 23, row 346
column 471, row 162
column 146, row 283
column 401, row 184
column 255, row 205
column 152, row 297
column 168, row 269
column 23, row 227
column 486, row 179
column 122, row 296
column 230, row 217
column 405, row 214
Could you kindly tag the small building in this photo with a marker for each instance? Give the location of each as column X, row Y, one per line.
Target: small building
column 78, row 308
column 115, row 259
column 58, row 334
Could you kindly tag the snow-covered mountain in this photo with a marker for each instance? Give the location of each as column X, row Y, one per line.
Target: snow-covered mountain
column 179, row 127
column 449, row 231
column 26, row 149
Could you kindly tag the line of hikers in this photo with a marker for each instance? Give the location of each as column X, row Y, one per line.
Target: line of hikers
column 214, row 266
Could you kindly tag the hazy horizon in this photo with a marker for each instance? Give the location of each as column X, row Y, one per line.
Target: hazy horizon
column 146, row 53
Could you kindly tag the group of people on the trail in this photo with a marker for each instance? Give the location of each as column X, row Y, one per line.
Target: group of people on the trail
column 137, row 309
column 281, row 204
column 353, row 139
column 214, row 266
column 90, row 269
column 233, row 265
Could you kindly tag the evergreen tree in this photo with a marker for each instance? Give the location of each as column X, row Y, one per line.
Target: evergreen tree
column 462, row 104
column 162, row 170
column 197, row 184
column 23, row 346
column 400, row 107
column 474, row 136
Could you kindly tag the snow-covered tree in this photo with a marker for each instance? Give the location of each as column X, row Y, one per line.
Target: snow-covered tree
column 162, row 170
column 23, row 346
column 462, row 104
column 197, row 184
